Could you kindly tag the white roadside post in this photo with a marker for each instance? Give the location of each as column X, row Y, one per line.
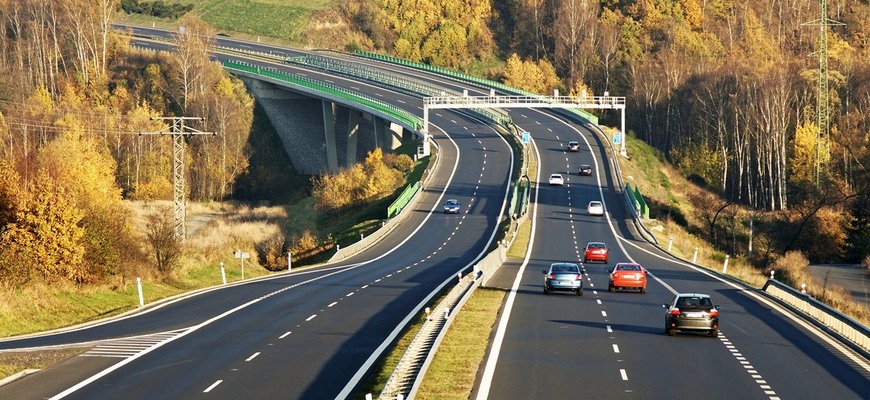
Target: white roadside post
column 725, row 265
column 289, row 262
column 695, row 257
column 670, row 244
column 139, row 287
column 223, row 274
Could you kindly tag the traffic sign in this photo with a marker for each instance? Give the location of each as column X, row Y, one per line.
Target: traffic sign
column 527, row 138
column 617, row 138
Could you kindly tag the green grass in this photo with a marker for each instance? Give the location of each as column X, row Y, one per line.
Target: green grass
column 285, row 21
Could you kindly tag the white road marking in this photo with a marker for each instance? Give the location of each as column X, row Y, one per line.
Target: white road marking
column 623, row 374
column 349, row 294
column 332, row 304
column 284, row 335
column 609, row 329
column 603, row 313
column 213, row 385
column 615, row 348
column 253, row 356
column 311, row 317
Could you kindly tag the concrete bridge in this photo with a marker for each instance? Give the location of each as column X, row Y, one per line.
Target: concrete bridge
column 319, row 134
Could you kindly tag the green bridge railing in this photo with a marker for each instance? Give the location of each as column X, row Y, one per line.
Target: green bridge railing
column 399, row 114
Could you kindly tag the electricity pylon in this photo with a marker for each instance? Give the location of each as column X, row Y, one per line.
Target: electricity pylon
column 823, row 116
column 179, row 132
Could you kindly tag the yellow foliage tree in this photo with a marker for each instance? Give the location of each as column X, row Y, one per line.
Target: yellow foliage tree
column 46, row 237
column 807, row 147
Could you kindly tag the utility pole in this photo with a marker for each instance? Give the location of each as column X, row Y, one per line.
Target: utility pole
column 823, row 117
column 179, row 132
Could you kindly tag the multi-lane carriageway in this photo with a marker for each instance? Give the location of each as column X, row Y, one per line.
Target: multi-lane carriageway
column 317, row 332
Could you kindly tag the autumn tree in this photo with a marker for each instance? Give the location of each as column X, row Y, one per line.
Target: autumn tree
column 160, row 234
column 45, row 238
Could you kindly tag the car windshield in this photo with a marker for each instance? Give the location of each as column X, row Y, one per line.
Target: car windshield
column 694, row 303
column 452, row 202
column 565, row 269
column 596, row 245
column 628, row 268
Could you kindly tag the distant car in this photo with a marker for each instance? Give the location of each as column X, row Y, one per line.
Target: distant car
column 563, row 276
column 627, row 276
column 556, row 179
column 573, row 146
column 595, row 208
column 585, row 169
column 692, row 312
column 451, row 206
column 596, row 251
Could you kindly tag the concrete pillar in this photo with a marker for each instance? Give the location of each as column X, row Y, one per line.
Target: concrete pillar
column 393, row 136
column 353, row 119
column 329, row 133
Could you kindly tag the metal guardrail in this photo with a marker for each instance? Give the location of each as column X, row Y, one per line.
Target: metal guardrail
column 843, row 325
column 402, row 115
column 418, row 356
column 406, row 85
column 469, row 78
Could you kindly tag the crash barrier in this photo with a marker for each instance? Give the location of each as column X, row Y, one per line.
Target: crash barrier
column 403, row 199
column 636, row 200
column 470, row 78
column 843, row 325
column 399, row 114
column 406, row 378
column 412, row 86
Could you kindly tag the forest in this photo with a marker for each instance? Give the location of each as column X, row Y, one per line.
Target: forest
column 726, row 90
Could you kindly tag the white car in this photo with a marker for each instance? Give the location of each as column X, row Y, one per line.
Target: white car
column 595, row 208
column 556, row 179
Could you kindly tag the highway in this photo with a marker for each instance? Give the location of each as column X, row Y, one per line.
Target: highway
column 613, row 345
column 313, row 334
column 310, row 334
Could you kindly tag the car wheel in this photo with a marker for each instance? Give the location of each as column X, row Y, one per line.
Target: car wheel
column 671, row 331
column 580, row 292
column 547, row 291
column 714, row 333
column 643, row 289
column 605, row 261
column 610, row 288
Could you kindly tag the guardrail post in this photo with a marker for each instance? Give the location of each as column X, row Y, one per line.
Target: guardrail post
column 725, row 265
column 670, row 244
column 695, row 257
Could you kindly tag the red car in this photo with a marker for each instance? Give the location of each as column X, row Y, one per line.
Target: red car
column 596, row 251
column 627, row 276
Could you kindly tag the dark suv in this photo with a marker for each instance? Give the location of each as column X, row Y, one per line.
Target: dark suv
column 585, row 169
column 692, row 312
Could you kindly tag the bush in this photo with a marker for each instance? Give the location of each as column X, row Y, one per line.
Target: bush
column 272, row 253
column 791, row 268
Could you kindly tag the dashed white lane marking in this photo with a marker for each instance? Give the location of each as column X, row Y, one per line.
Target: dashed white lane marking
column 364, row 286
column 603, row 313
column 311, row 317
column 253, row 356
column 213, row 385
column 609, row 329
column 349, row 294
column 623, row 374
column 332, row 304
column 598, row 300
column 762, row 384
column 284, row 335
column 615, row 348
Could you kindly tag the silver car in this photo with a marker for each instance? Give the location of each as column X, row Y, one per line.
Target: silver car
column 563, row 276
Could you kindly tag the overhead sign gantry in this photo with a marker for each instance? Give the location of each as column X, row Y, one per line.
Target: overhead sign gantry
column 493, row 101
